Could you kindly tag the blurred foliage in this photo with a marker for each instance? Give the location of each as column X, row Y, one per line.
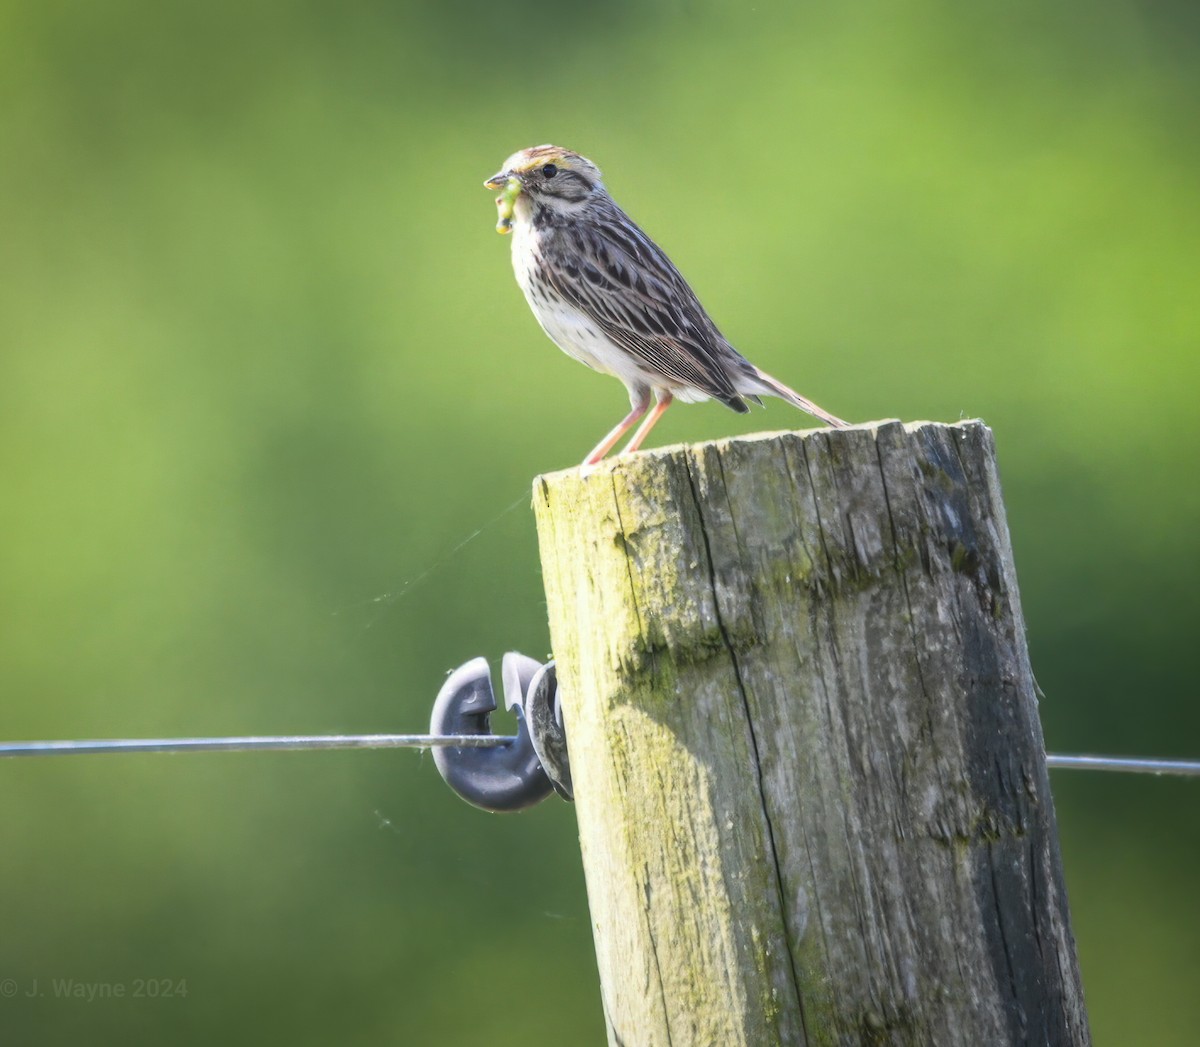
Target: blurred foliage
column 263, row 368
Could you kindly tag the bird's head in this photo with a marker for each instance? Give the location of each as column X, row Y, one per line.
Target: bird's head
column 548, row 176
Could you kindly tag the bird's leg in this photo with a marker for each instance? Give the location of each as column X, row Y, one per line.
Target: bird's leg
column 664, row 401
column 622, row 427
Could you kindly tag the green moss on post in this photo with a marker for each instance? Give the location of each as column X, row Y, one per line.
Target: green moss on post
column 809, row 774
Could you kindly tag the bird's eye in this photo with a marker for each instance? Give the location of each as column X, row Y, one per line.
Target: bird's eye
column 549, row 171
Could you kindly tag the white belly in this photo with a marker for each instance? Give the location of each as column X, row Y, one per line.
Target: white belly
column 575, row 333
column 572, row 331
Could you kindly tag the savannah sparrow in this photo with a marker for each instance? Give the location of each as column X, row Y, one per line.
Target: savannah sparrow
column 609, row 296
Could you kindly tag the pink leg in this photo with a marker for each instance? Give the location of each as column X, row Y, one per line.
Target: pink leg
column 664, row 401
column 622, row 427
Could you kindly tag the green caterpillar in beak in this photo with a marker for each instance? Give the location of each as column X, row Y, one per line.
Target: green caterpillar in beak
column 504, row 205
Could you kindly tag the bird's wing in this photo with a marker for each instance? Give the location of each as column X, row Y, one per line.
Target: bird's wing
column 618, row 276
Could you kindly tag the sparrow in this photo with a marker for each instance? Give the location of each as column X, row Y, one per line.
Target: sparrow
column 609, row 296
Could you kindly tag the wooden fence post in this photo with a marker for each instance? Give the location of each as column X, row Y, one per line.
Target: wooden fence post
column 809, row 773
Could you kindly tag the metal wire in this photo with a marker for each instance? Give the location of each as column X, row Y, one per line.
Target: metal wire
column 1128, row 764
column 285, row 742
column 253, row 742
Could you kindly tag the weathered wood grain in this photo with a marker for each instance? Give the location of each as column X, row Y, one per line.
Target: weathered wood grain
column 809, row 773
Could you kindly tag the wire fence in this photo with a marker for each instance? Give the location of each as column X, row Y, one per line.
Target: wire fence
column 293, row 742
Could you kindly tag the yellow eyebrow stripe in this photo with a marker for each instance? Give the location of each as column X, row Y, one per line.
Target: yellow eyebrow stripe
column 541, row 161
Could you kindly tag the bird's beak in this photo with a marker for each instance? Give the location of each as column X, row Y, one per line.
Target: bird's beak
column 497, row 181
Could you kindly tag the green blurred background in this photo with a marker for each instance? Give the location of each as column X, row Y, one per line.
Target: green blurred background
column 263, row 368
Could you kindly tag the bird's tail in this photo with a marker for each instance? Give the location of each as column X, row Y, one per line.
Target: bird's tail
column 774, row 387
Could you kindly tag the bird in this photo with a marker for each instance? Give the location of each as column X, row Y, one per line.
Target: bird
column 609, row 296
